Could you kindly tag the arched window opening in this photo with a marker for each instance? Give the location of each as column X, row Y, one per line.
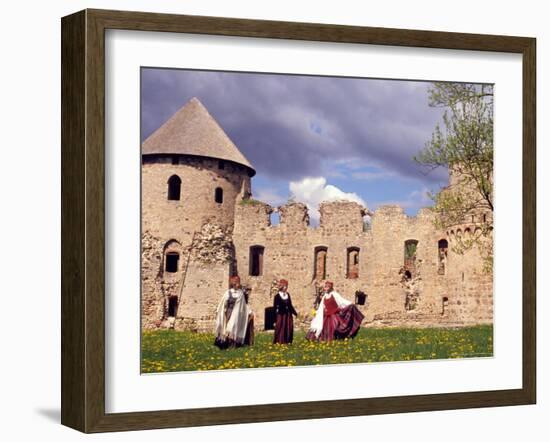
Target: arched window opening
column 320, row 263
column 171, row 262
column 174, row 188
column 442, row 249
column 172, row 306
column 218, row 195
column 410, row 255
column 352, row 263
column 256, row 261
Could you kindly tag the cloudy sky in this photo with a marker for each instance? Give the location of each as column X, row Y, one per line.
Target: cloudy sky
column 315, row 138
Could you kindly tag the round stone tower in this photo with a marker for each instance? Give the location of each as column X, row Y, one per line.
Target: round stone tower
column 192, row 174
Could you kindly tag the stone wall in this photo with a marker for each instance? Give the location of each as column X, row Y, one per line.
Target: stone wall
column 425, row 288
column 152, row 298
column 195, row 288
column 289, row 252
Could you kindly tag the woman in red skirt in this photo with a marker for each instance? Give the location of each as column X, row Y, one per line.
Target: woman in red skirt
column 336, row 317
column 284, row 322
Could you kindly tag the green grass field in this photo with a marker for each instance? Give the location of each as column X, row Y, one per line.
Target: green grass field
column 169, row 350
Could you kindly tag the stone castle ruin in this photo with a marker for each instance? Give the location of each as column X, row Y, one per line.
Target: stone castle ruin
column 201, row 225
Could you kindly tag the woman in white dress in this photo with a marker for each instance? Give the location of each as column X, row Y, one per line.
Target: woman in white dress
column 234, row 318
column 335, row 318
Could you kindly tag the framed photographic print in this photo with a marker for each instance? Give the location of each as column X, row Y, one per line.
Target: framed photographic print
column 267, row 221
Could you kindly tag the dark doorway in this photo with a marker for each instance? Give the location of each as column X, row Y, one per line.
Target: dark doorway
column 256, row 263
column 172, row 306
column 360, row 297
column 269, row 318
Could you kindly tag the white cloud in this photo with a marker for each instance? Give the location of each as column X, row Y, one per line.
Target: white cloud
column 313, row 191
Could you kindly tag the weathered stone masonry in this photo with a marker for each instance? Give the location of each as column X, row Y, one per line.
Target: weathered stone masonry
column 401, row 271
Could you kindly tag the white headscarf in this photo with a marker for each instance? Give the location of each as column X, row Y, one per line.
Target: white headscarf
column 317, row 322
column 235, row 327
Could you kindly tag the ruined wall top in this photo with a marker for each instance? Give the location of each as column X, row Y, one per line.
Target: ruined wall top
column 294, row 215
column 394, row 211
column 252, row 214
column 389, row 211
column 389, row 219
column 335, row 215
column 342, row 216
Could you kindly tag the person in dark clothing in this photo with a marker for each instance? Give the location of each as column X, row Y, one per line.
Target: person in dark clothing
column 284, row 311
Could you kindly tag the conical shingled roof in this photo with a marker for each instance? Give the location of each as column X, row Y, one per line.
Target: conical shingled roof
column 193, row 131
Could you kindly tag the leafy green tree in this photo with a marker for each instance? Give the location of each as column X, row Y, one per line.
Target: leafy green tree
column 464, row 145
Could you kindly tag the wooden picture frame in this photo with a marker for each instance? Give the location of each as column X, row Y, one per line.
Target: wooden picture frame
column 83, row 220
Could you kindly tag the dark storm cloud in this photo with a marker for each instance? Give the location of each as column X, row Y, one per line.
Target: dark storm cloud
column 294, row 126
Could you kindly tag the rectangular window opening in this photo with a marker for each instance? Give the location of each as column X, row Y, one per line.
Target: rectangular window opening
column 172, row 260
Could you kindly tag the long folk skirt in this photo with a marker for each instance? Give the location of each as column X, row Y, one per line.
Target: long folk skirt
column 345, row 323
column 284, row 329
column 225, row 342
